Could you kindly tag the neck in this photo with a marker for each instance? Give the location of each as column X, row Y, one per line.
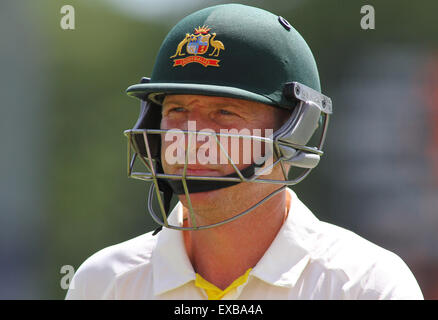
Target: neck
column 222, row 254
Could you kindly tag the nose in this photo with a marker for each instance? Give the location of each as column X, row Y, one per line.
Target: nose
column 193, row 120
column 198, row 119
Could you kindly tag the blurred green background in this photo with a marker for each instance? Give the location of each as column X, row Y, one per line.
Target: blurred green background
column 64, row 191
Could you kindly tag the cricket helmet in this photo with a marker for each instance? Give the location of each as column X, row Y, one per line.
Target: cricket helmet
column 234, row 51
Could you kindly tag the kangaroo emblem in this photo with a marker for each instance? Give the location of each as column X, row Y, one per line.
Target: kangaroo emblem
column 180, row 46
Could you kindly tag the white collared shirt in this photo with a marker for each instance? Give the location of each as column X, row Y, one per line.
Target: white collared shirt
column 308, row 259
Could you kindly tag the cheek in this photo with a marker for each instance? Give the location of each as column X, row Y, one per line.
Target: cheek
column 269, row 122
column 165, row 123
column 173, row 146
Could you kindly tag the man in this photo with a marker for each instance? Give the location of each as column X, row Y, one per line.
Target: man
column 237, row 232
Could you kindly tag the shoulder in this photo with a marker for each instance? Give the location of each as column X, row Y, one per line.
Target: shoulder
column 366, row 270
column 97, row 274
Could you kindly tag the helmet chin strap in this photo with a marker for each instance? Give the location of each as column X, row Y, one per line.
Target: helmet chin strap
column 195, row 186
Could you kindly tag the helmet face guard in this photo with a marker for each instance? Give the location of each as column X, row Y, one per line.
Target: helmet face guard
column 240, row 52
column 287, row 145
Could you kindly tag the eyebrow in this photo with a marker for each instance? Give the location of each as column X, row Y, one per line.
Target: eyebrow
column 214, row 104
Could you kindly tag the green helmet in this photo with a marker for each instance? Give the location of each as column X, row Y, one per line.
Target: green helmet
column 231, row 50
column 234, row 51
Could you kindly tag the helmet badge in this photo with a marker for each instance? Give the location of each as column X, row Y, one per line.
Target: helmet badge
column 197, row 44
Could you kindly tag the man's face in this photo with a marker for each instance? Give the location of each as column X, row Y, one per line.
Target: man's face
column 216, row 114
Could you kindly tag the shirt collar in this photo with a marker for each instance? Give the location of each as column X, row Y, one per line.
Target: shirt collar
column 171, row 265
column 287, row 257
column 281, row 265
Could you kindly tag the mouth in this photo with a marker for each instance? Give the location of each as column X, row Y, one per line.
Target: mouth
column 198, row 171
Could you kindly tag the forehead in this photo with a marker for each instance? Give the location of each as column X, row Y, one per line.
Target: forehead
column 214, row 101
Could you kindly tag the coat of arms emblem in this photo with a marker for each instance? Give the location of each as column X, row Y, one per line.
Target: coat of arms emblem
column 197, row 44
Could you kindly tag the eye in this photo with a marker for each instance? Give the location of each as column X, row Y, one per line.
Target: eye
column 173, row 110
column 226, row 112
